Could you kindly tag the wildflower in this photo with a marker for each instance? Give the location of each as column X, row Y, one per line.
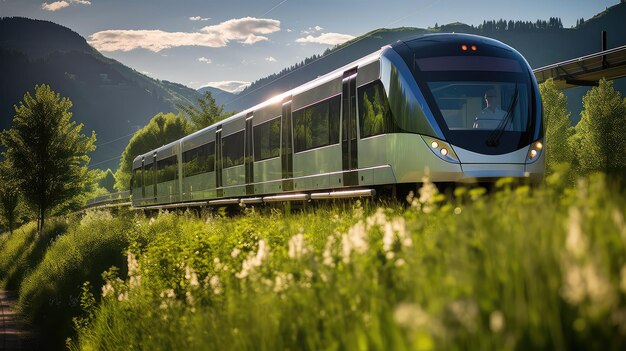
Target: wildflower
column 191, row 276
column 189, row 298
column 107, row 289
column 122, row 297
column 327, row 254
column 357, row 210
column 253, row 261
column 282, row 282
column 235, row 252
column 354, row 240
column 576, row 243
column 400, row 262
column 411, row 316
column 496, row 321
column 297, row 247
column 133, row 270
column 152, row 220
column 216, row 285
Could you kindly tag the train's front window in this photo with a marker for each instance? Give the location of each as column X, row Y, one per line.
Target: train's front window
column 482, row 105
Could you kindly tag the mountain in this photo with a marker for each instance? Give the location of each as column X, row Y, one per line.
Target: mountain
column 108, row 97
column 221, row 96
column 542, row 43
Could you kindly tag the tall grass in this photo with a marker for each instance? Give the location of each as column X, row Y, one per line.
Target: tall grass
column 518, row 269
column 49, row 295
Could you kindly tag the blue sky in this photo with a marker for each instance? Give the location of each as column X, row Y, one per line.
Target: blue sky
column 239, row 41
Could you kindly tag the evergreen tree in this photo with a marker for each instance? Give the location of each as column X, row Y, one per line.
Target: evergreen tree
column 162, row 129
column 47, row 152
column 558, row 126
column 206, row 113
column 601, row 130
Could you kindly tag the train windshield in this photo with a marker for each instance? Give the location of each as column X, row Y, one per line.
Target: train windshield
column 483, row 102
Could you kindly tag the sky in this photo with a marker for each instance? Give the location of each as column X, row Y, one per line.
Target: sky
column 230, row 43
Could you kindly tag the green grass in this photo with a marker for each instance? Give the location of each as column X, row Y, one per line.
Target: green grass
column 516, row 269
column 519, row 269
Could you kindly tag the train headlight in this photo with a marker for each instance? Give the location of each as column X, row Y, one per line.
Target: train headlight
column 534, row 151
column 442, row 149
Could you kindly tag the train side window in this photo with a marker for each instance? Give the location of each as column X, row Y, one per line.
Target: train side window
column 317, row 125
column 267, row 139
column 148, row 178
column 232, row 149
column 199, row 160
column 137, row 178
column 167, row 169
column 374, row 113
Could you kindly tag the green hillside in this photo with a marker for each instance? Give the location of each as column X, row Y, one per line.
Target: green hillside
column 110, row 98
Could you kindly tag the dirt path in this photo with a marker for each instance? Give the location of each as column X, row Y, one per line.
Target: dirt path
column 14, row 335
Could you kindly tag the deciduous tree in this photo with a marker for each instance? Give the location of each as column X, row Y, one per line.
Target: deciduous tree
column 47, row 152
column 162, row 129
column 207, row 112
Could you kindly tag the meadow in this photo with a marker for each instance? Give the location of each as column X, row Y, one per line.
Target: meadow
column 516, row 268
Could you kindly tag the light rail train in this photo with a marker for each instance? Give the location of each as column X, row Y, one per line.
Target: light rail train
column 457, row 107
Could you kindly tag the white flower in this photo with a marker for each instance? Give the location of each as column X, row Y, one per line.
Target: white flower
column 496, row 321
column 253, row 261
column 107, row 289
column 216, row 285
column 355, row 240
column 191, row 276
column 235, row 252
column 297, row 246
column 327, row 254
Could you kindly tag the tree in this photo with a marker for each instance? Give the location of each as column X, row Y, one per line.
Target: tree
column 47, row 152
column 558, row 126
column 9, row 197
column 602, row 127
column 162, row 129
column 206, row 113
column 107, row 180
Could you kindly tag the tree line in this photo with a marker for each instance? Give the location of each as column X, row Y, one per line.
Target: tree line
column 45, row 164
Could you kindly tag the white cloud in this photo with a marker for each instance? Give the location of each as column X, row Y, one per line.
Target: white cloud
column 57, row 5
column 312, row 30
column 289, row 30
column 232, row 86
column 198, row 18
column 247, row 30
column 204, row 59
column 270, row 59
column 326, row 39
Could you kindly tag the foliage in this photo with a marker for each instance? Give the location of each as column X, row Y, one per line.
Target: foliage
column 473, row 271
column 558, row 126
column 602, row 127
column 206, row 113
column 107, row 181
column 162, row 129
column 50, row 294
column 47, row 152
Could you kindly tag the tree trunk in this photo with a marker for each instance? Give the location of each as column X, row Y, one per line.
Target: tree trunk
column 41, row 221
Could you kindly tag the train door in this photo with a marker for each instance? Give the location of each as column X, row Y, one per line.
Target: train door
column 248, row 158
column 154, row 176
column 349, row 153
column 218, row 162
column 286, row 149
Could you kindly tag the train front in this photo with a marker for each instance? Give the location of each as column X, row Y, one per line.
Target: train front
column 475, row 103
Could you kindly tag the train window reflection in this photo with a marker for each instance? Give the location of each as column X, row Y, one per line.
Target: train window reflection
column 232, row 149
column 482, row 105
column 317, row 125
column 374, row 113
column 267, row 140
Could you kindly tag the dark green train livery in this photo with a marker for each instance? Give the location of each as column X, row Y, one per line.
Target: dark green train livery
column 454, row 107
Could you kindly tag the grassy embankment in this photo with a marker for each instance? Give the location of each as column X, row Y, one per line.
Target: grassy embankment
column 518, row 269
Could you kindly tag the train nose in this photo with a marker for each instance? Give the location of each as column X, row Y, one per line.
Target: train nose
column 480, row 167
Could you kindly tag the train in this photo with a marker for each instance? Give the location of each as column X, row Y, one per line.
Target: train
column 454, row 107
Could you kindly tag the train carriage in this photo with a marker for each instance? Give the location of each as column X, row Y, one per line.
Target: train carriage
column 456, row 107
